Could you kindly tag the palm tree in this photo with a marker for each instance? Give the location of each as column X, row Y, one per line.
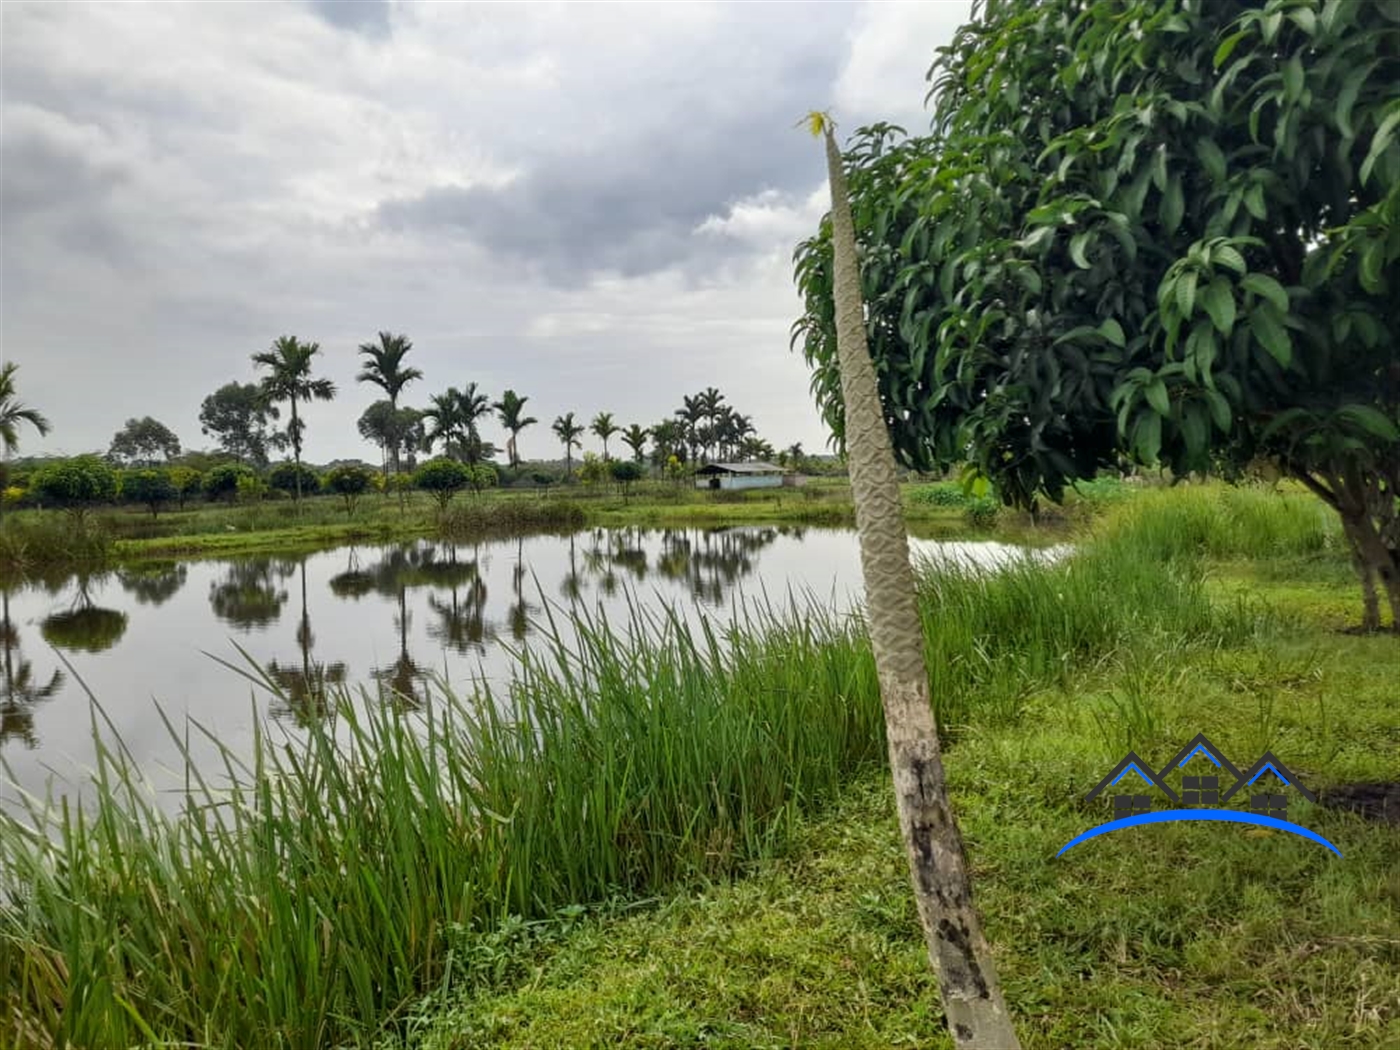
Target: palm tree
column 635, row 438
column 689, row 415
column 471, row 406
column 958, row 951
column 384, row 368
column 605, row 428
column 712, row 405
column 13, row 413
column 667, row 439
column 508, row 408
column 442, row 413
column 568, row 432
column 289, row 379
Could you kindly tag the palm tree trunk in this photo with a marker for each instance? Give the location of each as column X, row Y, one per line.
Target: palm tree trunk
column 961, row 959
column 296, row 452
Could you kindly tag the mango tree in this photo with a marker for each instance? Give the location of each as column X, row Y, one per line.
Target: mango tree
column 1162, row 228
column 444, row 478
column 349, row 482
column 152, row 487
column 75, row 485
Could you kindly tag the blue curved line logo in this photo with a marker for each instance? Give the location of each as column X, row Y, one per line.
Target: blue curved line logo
column 1227, row 815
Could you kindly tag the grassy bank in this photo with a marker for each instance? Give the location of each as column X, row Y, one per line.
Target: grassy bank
column 642, row 756
column 204, row 529
column 379, row 891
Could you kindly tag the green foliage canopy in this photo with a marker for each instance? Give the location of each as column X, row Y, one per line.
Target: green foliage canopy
column 443, row 477
column 77, row 485
column 1165, row 229
column 151, row 487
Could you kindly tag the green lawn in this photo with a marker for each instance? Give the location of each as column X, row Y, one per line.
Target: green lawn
column 1172, row 935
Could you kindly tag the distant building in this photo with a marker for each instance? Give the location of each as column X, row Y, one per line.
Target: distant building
column 738, row 476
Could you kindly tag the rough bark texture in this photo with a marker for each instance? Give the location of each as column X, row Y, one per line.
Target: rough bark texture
column 1365, row 501
column 962, row 962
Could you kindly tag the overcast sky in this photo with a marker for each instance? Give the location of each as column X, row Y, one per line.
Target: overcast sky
column 595, row 205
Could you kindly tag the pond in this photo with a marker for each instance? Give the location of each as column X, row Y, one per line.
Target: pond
column 144, row 639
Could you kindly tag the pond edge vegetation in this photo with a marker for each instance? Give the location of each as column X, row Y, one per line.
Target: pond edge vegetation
column 302, row 909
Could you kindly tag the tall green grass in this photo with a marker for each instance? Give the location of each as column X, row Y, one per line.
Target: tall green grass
column 305, row 900
column 1221, row 521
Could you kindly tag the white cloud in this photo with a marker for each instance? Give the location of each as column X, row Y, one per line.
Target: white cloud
column 182, row 183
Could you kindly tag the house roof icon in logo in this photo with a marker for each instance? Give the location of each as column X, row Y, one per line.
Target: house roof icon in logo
column 1132, row 764
column 1268, row 763
column 1200, row 745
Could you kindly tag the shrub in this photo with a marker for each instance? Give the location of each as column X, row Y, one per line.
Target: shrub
column 187, row 481
column 150, row 487
column 625, row 472
column 251, row 488
column 481, row 476
column 284, row 477
column 222, row 481
column 443, row 477
column 982, row 512
column 349, row 482
column 76, row 485
column 943, row 494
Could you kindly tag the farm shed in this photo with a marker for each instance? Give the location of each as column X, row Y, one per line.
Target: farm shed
column 738, row 476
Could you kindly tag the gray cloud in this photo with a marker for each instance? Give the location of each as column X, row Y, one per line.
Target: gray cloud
column 370, row 17
column 630, row 202
column 557, row 198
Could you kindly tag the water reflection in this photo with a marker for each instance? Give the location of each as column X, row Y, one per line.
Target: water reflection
column 461, row 616
column 404, row 678
column 21, row 691
column 453, row 610
column 154, row 584
column 86, row 625
column 249, row 595
column 305, row 687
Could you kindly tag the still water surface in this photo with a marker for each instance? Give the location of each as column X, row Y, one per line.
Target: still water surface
column 400, row 615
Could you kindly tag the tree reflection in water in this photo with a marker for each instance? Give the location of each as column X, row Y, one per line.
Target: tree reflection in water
column 305, row 687
column 520, row 610
column 403, row 677
column 250, row 595
column 153, row 585
column 461, row 621
column 21, row 691
column 85, row 626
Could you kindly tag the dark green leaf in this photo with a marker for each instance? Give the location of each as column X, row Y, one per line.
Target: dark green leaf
column 1226, row 255
column 1371, row 421
column 1173, row 205
column 1076, row 250
column 1270, row 289
column 1254, row 201
column 1156, row 394
column 1149, row 438
column 1380, row 141
column 1219, row 302
column 1208, row 153
column 1346, row 97
column 1186, row 294
column 1222, row 53
column 1219, row 410
column 1113, row 332
column 1268, row 329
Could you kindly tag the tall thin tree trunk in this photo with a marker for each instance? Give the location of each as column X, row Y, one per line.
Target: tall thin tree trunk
column 962, row 962
column 296, row 453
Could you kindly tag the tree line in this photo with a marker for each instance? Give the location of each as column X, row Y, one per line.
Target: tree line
column 244, row 419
